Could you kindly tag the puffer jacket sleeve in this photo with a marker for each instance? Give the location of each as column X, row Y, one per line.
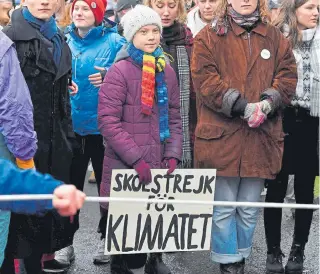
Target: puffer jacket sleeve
column 173, row 146
column 16, row 110
column 286, row 78
column 15, row 181
column 210, row 87
column 112, row 96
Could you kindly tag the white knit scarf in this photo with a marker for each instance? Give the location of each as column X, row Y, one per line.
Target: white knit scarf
column 310, row 99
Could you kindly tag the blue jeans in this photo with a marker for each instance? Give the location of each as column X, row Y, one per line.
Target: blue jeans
column 4, row 215
column 233, row 228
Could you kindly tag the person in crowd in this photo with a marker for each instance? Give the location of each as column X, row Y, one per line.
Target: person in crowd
column 45, row 61
column 5, row 7
column 139, row 117
column 110, row 10
column 201, row 15
column 177, row 42
column 67, row 200
column 18, row 139
column 122, row 7
column 189, row 5
column 63, row 15
column 60, row 10
column 274, row 7
column 299, row 21
column 244, row 73
column 94, row 44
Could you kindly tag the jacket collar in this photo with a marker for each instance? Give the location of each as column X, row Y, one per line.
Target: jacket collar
column 5, row 44
column 23, row 31
column 261, row 28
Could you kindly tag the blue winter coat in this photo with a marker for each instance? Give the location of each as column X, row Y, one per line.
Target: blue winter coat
column 16, row 181
column 98, row 48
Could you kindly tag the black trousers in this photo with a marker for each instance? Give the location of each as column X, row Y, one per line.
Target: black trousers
column 301, row 158
column 86, row 148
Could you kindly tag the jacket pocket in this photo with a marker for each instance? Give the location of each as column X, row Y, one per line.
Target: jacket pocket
column 209, row 132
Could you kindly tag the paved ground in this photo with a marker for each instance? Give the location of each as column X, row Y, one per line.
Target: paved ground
column 189, row 263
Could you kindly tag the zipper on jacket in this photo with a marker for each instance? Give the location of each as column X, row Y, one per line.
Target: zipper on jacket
column 75, row 65
column 249, row 41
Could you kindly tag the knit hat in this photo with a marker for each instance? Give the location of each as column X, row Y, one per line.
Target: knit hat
column 137, row 18
column 98, row 8
column 125, row 4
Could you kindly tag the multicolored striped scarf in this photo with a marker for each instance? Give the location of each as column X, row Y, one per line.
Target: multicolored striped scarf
column 153, row 77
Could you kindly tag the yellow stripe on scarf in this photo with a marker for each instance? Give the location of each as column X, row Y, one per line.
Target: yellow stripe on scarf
column 148, row 69
column 148, row 58
column 161, row 64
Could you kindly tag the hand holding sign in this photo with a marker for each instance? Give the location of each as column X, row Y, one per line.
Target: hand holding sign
column 171, row 164
column 160, row 227
column 144, row 172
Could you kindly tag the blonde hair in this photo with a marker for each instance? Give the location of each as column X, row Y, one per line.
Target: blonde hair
column 60, row 12
column 221, row 11
column 182, row 14
column 66, row 19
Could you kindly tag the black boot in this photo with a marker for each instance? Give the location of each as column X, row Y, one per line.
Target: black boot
column 274, row 261
column 118, row 265
column 296, row 258
column 155, row 265
column 234, row 268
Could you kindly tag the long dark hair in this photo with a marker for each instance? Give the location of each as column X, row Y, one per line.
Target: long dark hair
column 287, row 20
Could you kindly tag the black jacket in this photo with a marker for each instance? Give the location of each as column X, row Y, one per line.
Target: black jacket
column 48, row 87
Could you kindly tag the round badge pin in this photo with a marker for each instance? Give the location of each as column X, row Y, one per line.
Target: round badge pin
column 93, row 5
column 265, row 54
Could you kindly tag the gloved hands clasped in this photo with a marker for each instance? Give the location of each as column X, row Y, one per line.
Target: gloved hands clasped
column 256, row 113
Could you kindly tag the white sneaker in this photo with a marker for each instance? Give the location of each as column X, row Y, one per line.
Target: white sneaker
column 100, row 258
column 65, row 255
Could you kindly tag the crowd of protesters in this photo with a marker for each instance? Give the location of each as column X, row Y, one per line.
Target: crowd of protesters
column 231, row 85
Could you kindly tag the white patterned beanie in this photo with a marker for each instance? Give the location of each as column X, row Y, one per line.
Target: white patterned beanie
column 137, row 18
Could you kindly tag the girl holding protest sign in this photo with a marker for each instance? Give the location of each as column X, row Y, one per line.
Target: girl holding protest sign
column 139, row 116
column 244, row 73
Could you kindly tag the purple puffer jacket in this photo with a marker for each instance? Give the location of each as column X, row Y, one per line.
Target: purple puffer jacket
column 16, row 110
column 128, row 134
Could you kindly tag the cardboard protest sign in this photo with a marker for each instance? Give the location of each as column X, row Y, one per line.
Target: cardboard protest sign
column 148, row 227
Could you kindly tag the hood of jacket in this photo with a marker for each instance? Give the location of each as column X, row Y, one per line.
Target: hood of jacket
column 122, row 54
column 194, row 22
